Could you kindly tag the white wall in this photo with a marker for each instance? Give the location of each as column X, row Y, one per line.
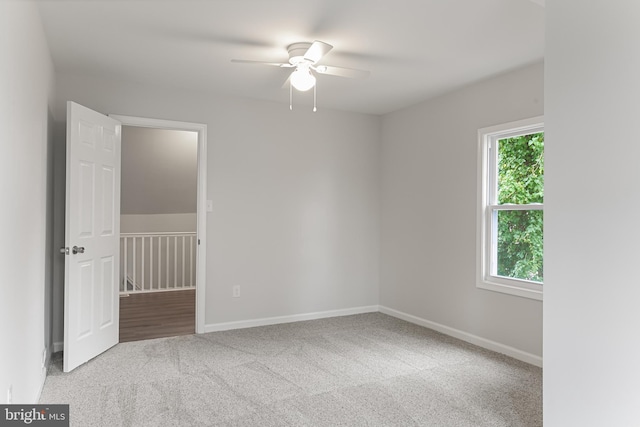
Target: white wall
column 26, row 77
column 592, row 227
column 429, row 196
column 158, row 223
column 295, row 195
column 159, row 171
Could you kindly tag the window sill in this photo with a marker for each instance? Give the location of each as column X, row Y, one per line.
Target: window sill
column 510, row 290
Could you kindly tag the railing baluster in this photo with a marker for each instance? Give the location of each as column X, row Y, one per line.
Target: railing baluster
column 175, row 262
column 124, row 264
column 190, row 261
column 142, row 256
column 167, row 287
column 146, row 275
column 183, row 265
column 133, row 279
column 151, row 263
column 159, row 262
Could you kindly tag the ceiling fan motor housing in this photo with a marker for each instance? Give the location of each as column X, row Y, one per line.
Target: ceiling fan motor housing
column 297, row 51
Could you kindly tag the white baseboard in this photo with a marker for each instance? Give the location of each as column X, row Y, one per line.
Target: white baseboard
column 226, row 326
column 465, row 336
column 43, row 378
column 58, row 346
column 456, row 333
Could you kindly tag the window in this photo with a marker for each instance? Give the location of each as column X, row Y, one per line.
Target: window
column 510, row 208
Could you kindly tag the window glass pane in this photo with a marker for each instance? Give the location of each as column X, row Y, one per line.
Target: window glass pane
column 521, row 169
column 520, row 244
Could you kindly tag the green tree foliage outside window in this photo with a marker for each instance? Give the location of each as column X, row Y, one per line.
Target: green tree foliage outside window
column 521, row 181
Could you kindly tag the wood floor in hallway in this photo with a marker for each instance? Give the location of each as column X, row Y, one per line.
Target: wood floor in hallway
column 157, row 314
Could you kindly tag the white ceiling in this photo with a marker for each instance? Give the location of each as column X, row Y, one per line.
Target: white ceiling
column 415, row 49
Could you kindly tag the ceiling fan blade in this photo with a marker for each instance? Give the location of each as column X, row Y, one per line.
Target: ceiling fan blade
column 342, row 72
column 317, row 50
column 275, row 64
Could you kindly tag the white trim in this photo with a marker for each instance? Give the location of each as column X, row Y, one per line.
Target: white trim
column 201, row 260
column 511, row 290
column 58, row 346
column 241, row 324
column 43, row 378
column 43, row 374
column 510, row 207
column 163, row 233
column 456, row 333
column 486, row 140
column 465, row 336
column 519, row 127
column 127, row 294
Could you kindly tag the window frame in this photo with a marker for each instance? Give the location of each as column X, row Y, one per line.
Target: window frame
column 486, row 249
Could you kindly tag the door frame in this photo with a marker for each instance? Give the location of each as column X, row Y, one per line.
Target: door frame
column 201, row 214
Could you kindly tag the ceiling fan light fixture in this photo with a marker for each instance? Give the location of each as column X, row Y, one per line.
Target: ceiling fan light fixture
column 303, row 58
column 302, row 79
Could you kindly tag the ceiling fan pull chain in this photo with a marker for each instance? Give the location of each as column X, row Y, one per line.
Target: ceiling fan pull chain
column 315, row 87
column 290, row 95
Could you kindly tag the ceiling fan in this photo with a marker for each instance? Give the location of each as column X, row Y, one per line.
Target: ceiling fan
column 303, row 57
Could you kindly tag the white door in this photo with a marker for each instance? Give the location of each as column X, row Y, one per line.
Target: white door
column 92, row 262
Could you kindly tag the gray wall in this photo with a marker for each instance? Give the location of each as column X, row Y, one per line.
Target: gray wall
column 295, row 195
column 429, row 196
column 26, row 82
column 159, row 223
column 591, row 308
column 296, row 218
column 159, row 171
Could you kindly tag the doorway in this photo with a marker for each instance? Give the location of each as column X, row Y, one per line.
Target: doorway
column 162, row 228
column 158, row 223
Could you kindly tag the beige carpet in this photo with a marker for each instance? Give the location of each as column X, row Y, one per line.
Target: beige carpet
column 363, row 370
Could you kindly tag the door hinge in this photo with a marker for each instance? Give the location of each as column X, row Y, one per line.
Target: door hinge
column 198, row 242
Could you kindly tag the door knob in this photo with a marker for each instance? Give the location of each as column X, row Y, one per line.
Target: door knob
column 77, row 250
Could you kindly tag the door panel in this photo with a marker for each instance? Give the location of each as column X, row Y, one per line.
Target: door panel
column 84, row 203
column 108, row 297
column 93, row 225
column 108, row 201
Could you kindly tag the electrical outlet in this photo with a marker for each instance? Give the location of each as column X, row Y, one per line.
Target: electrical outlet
column 236, row 291
column 10, row 394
